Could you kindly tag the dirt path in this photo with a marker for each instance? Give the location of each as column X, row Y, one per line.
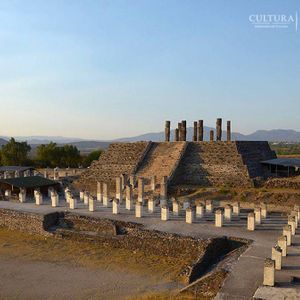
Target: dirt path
column 27, row 279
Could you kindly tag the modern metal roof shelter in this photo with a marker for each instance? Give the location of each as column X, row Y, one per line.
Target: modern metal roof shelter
column 29, row 182
column 283, row 166
column 15, row 168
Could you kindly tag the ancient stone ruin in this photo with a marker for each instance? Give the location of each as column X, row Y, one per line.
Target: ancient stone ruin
column 197, row 162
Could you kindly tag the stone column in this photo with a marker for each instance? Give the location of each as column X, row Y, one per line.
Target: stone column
column 269, row 272
column 297, row 209
column 81, row 195
column 153, row 183
column 176, row 136
column 141, row 190
column 199, row 210
column 132, row 181
column 219, row 218
column 129, row 197
column 99, row 192
column 138, row 210
column 176, row 209
column 195, row 138
column 164, row 213
column 183, row 130
column 163, row 193
column 295, row 215
column 287, row 231
column 219, row 129
column 179, row 132
column 186, row 204
column 200, row 130
column 124, row 180
column 92, row 204
column 151, row 205
column 8, row 193
column 228, row 212
column 211, row 135
column 116, row 207
column 189, row 215
column 106, row 201
column 119, row 189
column 251, row 222
column 228, row 131
column 291, row 222
column 22, row 195
column 86, row 198
column 257, row 212
column 236, row 208
column 263, row 210
column 276, row 256
column 73, row 203
column 209, row 206
column 54, row 199
column 39, row 198
column 282, row 243
column 167, row 131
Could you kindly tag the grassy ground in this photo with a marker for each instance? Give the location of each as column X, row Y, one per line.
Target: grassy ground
column 33, row 247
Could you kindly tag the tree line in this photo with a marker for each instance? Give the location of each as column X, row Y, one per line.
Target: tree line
column 47, row 155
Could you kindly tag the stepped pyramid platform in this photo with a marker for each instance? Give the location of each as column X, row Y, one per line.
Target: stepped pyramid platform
column 214, row 163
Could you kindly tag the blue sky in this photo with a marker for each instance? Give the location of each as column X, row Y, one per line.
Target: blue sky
column 106, row 69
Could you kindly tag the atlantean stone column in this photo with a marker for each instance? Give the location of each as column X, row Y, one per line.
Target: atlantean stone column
column 287, row 231
column 167, row 131
column 129, row 197
column 119, row 189
column 269, row 272
column 276, row 256
column 211, row 135
column 200, row 130
column 195, row 132
column 180, row 132
column 141, row 187
column 282, row 243
column 99, row 192
column 219, row 129
column 176, row 136
column 228, row 131
column 183, row 125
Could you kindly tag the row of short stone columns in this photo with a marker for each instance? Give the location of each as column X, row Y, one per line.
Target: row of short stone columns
column 280, row 250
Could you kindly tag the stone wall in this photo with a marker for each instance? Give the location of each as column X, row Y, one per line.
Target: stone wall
column 283, row 183
column 28, row 222
column 118, row 159
column 212, row 164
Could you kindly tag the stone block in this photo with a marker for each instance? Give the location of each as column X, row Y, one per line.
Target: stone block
column 138, row 210
column 189, row 215
column 282, row 243
column 257, row 213
column 92, row 204
column 116, row 206
column 219, row 218
column 287, row 231
column 151, row 205
column 236, row 208
column 164, row 213
column 227, row 212
column 276, row 256
column 199, row 210
column 269, row 272
column 251, row 222
column 73, row 203
column 292, row 223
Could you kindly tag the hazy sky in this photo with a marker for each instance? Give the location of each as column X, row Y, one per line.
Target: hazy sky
column 106, row 69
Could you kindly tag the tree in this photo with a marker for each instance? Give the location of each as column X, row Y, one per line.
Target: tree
column 15, row 153
column 51, row 155
column 87, row 160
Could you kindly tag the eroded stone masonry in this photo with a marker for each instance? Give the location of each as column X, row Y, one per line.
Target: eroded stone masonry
column 197, row 162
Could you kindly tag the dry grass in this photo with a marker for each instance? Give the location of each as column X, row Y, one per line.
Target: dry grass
column 38, row 248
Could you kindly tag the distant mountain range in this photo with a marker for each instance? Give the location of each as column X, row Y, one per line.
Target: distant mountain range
column 275, row 135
